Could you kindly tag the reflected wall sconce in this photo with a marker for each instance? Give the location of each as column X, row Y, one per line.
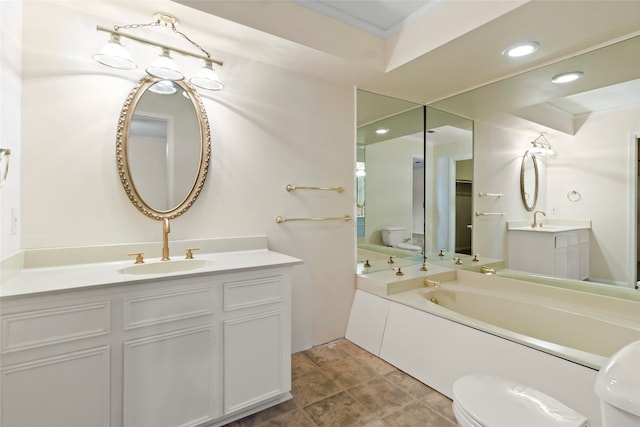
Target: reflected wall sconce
column 5, row 153
column 163, row 67
column 541, row 148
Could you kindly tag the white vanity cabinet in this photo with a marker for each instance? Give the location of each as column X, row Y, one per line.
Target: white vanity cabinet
column 181, row 351
column 563, row 254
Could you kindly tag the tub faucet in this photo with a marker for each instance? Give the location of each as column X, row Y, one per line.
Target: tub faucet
column 166, row 229
column 535, row 219
column 431, row 283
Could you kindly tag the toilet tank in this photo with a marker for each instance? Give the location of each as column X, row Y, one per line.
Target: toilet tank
column 618, row 386
column 391, row 236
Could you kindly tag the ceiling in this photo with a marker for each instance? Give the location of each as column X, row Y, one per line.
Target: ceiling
column 419, row 51
column 377, row 17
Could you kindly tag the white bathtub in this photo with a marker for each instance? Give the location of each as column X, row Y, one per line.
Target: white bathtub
column 552, row 338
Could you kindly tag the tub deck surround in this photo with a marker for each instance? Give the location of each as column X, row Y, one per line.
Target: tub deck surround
column 439, row 343
column 579, row 326
column 66, row 269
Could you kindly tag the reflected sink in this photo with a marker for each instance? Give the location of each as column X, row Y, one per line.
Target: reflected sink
column 162, row 267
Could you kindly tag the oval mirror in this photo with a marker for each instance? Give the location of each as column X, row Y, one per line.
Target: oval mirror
column 163, row 147
column 529, row 181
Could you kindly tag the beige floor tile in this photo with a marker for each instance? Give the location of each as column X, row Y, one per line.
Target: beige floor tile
column 416, row 415
column 408, row 384
column 377, row 364
column 349, row 372
column 325, row 354
column 341, row 410
column 300, row 364
column 311, row 387
column 296, row 418
column 380, row 396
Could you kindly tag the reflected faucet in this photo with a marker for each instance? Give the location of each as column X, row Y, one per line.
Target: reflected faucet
column 535, row 219
column 166, row 229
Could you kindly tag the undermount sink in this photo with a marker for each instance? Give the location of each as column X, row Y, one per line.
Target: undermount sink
column 162, row 267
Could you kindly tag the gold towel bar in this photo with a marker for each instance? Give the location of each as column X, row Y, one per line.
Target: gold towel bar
column 489, row 213
column 281, row 219
column 290, row 187
column 483, row 194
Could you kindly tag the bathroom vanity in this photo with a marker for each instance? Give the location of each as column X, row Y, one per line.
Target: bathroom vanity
column 105, row 345
column 559, row 249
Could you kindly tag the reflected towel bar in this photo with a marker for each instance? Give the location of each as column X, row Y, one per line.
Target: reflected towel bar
column 290, row 187
column 490, row 213
column 281, row 219
column 483, row 194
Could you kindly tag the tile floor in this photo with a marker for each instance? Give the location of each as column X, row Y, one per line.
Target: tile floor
column 339, row 384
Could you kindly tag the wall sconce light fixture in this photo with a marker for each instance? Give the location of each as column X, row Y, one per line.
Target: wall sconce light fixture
column 163, row 67
column 4, row 165
column 541, row 148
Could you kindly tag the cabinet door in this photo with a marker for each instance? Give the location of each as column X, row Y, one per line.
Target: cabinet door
column 66, row 390
column 255, row 366
column 169, row 379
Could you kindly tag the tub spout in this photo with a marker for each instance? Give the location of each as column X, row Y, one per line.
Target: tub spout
column 431, row 283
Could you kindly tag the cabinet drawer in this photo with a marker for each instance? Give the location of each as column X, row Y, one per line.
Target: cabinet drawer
column 49, row 326
column 239, row 294
column 156, row 309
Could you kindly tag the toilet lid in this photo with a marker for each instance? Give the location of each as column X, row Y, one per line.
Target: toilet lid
column 495, row 402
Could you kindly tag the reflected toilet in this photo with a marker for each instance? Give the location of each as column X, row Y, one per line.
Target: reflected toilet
column 394, row 236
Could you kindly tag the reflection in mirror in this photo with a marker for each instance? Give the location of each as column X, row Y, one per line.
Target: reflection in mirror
column 417, row 182
column 594, row 123
column 529, row 181
column 163, row 147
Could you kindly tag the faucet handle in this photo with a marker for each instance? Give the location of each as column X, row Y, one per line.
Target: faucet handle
column 189, row 254
column 391, row 261
column 475, row 258
column 139, row 258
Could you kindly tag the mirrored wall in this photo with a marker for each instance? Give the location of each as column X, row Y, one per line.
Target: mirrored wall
column 593, row 125
column 414, row 183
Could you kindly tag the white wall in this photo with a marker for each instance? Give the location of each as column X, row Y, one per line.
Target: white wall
column 270, row 127
column 595, row 162
column 10, row 91
column 388, row 188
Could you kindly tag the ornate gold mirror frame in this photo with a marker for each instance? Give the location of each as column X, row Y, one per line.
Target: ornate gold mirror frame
column 525, row 173
column 123, row 150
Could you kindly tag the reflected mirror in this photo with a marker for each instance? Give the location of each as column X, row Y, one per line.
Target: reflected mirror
column 414, row 177
column 594, row 126
column 163, row 147
column 529, row 181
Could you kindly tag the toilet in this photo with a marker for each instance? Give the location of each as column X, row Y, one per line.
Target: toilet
column 618, row 387
column 488, row 401
column 394, row 236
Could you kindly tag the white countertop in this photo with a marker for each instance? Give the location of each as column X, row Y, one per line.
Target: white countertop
column 29, row 281
column 549, row 226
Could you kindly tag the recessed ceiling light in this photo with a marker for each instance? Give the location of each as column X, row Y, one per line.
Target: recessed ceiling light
column 521, row 49
column 567, row 77
column 382, row 131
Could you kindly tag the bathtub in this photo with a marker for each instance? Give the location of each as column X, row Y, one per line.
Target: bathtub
column 552, row 338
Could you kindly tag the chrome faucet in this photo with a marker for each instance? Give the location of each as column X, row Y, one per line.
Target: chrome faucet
column 535, row 218
column 166, row 229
